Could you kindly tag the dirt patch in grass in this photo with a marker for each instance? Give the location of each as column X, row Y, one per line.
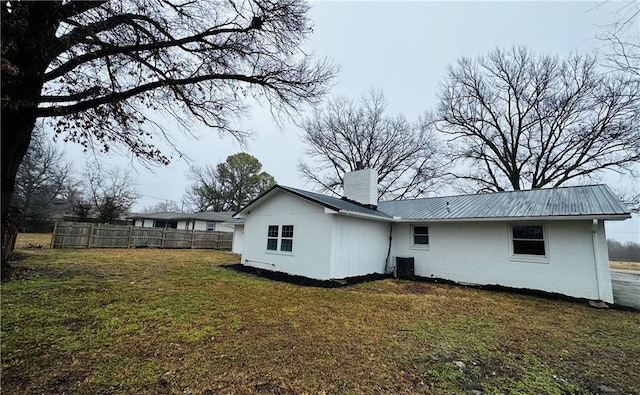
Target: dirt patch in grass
column 182, row 321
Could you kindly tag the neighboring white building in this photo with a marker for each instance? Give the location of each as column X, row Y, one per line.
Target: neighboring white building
column 551, row 240
column 206, row 220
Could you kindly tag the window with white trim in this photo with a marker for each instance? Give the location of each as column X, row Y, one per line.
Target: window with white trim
column 281, row 236
column 272, row 238
column 286, row 242
column 211, row 226
column 528, row 240
column 420, row 236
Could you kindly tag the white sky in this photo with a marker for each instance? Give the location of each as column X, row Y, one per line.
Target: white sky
column 402, row 49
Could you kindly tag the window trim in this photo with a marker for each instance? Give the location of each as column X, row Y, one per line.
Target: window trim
column 528, row 257
column 419, row 246
column 279, row 238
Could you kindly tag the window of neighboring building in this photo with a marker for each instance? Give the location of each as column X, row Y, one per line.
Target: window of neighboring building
column 166, row 224
column 211, row 226
column 528, row 240
column 280, row 235
column 420, row 236
column 272, row 238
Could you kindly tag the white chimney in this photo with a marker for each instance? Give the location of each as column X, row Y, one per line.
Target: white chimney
column 362, row 186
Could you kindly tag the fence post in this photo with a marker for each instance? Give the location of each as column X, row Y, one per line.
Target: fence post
column 90, row 236
column 193, row 237
column 164, row 235
column 130, row 237
column 53, row 236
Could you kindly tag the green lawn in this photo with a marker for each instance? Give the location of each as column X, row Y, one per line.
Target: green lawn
column 151, row 321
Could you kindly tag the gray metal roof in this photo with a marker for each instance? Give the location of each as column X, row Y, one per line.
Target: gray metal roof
column 202, row 216
column 591, row 200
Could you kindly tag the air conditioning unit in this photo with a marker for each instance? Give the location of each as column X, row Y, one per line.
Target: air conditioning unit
column 405, row 267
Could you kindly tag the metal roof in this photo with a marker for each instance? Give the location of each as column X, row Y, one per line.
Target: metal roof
column 580, row 201
column 202, row 216
column 590, row 201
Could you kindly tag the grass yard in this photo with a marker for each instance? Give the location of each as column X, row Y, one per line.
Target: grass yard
column 151, row 321
column 33, row 241
column 625, row 265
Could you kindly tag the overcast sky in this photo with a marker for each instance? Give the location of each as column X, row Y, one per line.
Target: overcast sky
column 402, row 49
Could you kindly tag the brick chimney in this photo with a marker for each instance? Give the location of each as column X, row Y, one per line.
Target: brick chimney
column 362, row 186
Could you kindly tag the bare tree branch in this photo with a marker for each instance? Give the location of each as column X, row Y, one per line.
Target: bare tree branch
column 345, row 133
column 519, row 120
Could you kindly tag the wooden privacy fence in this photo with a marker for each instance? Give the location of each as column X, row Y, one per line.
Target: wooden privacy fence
column 85, row 235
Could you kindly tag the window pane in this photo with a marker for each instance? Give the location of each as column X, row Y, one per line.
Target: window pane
column 527, row 232
column 420, row 239
column 272, row 244
column 286, row 245
column 287, row 230
column 273, row 231
column 533, row 247
column 420, row 230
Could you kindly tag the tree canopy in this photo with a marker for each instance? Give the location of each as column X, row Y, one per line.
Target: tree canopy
column 42, row 179
column 345, row 134
column 95, row 70
column 228, row 186
column 518, row 120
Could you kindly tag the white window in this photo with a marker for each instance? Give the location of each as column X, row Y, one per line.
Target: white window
column 280, row 236
column 211, row 226
column 272, row 238
column 420, row 235
column 528, row 240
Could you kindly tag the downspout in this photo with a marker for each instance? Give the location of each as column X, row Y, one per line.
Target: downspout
column 594, row 238
column 386, row 263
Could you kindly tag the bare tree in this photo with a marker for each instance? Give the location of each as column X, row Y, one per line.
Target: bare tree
column 345, row 133
column 111, row 191
column 40, row 181
column 96, row 69
column 167, row 206
column 623, row 39
column 520, row 120
column 230, row 185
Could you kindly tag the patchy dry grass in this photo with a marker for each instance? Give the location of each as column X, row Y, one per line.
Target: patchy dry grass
column 33, row 240
column 625, row 265
column 172, row 321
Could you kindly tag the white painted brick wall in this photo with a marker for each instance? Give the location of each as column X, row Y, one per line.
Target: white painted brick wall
column 362, row 186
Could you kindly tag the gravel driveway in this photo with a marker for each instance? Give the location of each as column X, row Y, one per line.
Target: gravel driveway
column 626, row 287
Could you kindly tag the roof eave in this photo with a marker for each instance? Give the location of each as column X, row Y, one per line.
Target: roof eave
column 366, row 216
column 608, row 217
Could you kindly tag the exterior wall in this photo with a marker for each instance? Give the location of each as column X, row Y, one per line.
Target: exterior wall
column 221, row 227
column 311, row 253
column 360, row 246
column 480, row 253
column 238, row 239
column 199, row 225
column 182, row 225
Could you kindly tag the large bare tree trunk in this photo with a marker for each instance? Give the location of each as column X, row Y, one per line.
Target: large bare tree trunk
column 23, row 65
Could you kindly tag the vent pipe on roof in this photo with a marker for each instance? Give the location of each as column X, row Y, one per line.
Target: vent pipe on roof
column 362, row 186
